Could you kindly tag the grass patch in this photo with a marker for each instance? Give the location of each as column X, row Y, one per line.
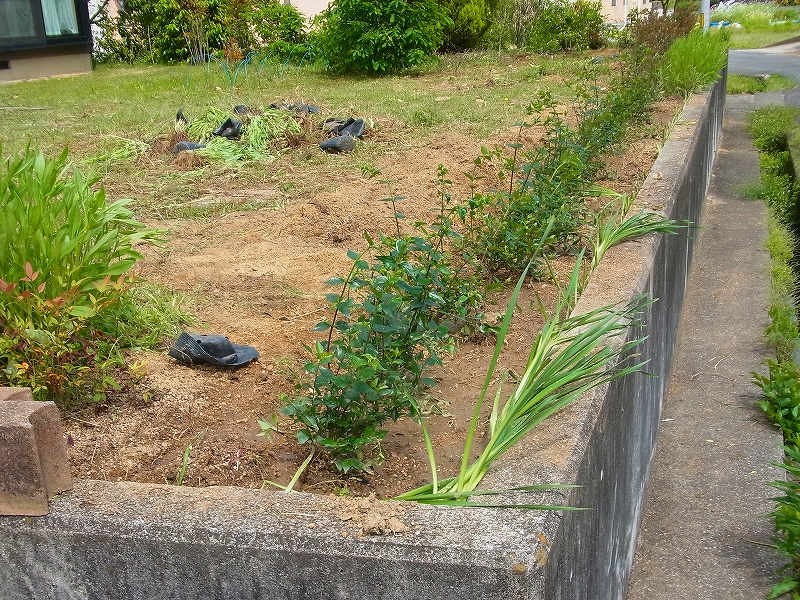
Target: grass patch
column 150, row 315
column 741, row 84
column 761, row 39
column 120, row 120
column 694, row 61
column 762, row 24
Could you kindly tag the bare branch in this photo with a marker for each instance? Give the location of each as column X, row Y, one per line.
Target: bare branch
column 98, row 12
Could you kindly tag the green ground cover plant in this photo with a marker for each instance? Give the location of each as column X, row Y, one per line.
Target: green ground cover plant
column 772, row 127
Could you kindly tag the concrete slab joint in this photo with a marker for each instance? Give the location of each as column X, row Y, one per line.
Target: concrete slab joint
column 33, row 454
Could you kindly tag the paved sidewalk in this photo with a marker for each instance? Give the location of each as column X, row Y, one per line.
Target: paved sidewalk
column 702, row 534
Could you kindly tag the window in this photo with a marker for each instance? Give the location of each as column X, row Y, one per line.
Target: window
column 59, row 17
column 40, row 23
column 18, row 22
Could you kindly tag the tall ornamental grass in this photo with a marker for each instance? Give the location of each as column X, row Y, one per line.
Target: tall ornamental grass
column 693, row 62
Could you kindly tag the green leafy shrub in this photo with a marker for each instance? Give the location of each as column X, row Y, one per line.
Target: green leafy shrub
column 545, row 194
column 266, row 23
column 511, row 23
column 564, row 25
column 547, row 26
column 163, row 30
column 176, row 30
column 652, row 33
column 781, row 398
column 376, row 37
column 44, row 345
column 693, row 62
column 264, row 26
column 471, row 19
column 392, row 320
column 65, row 255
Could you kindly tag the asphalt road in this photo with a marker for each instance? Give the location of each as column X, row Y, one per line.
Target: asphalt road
column 781, row 60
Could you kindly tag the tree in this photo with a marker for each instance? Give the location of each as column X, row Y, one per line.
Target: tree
column 379, row 37
column 471, row 20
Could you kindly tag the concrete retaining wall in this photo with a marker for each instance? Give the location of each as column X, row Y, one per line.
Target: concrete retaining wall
column 128, row 540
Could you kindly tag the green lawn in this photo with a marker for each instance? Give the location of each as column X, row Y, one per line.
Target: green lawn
column 119, row 118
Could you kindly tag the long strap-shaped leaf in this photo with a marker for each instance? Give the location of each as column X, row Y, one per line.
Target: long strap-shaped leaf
column 569, row 357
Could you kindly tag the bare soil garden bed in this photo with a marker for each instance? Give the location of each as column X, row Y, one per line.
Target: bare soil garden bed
column 258, row 276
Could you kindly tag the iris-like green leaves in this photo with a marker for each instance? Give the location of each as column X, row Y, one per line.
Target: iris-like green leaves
column 569, row 357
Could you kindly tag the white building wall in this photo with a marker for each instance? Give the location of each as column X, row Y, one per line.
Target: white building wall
column 616, row 11
column 309, row 8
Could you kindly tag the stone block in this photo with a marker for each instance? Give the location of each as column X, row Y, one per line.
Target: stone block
column 33, row 454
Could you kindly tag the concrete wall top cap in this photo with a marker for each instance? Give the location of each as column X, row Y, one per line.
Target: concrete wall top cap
column 15, row 393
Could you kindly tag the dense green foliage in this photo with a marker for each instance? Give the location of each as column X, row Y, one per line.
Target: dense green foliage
column 376, row 37
column 565, row 25
column 65, row 255
column 470, row 21
column 176, row 30
column 546, row 25
column 693, row 61
column 781, row 401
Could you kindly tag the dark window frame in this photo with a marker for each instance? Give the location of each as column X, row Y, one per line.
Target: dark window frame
column 41, row 40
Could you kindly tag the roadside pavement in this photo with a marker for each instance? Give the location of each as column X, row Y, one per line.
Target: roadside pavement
column 703, row 535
